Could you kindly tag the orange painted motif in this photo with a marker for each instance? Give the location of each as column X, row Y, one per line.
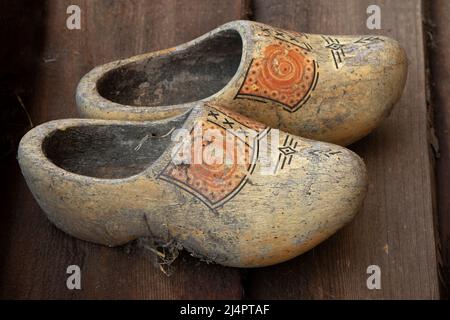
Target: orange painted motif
column 215, row 182
column 285, row 74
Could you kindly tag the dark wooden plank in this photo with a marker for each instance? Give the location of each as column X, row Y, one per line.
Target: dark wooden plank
column 440, row 93
column 395, row 229
column 34, row 254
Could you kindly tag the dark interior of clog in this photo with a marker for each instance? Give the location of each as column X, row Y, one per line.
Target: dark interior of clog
column 109, row 151
column 178, row 77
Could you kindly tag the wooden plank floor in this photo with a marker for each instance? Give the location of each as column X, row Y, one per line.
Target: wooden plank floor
column 439, row 43
column 35, row 254
column 395, row 229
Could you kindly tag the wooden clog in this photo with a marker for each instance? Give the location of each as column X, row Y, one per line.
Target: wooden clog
column 329, row 88
column 110, row 182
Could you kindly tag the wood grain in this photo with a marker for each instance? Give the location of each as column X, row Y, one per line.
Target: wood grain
column 35, row 254
column 395, row 229
column 440, row 71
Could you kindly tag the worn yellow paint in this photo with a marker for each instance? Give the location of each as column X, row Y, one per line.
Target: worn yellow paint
column 358, row 81
column 273, row 218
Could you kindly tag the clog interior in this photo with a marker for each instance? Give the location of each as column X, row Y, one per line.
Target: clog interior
column 109, row 151
column 173, row 78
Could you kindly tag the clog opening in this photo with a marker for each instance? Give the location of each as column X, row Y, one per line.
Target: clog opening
column 108, row 151
column 199, row 71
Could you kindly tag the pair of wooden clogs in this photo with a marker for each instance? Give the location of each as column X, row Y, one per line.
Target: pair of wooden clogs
column 113, row 180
